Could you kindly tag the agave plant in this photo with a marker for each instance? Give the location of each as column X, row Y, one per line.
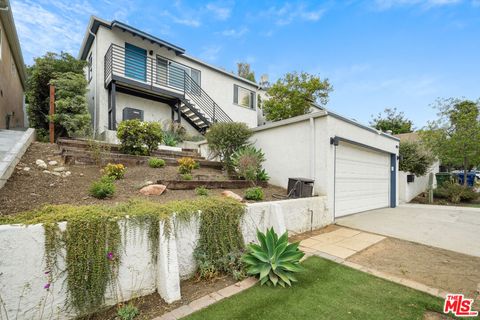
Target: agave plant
column 275, row 261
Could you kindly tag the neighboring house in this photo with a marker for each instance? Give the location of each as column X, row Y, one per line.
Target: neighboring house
column 12, row 72
column 132, row 74
column 409, row 190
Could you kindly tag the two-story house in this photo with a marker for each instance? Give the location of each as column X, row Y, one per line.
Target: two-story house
column 132, row 74
column 12, row 72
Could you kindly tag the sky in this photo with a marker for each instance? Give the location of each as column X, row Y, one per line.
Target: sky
column 377, row 54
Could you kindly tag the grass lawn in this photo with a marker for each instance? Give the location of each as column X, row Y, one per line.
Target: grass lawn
column 326, row 290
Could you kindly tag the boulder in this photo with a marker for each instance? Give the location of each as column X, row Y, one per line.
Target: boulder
column 26, row 169
column 41, row 164
column 59, row 169
column 52, row 163
column 153, row 190
column 231, row 194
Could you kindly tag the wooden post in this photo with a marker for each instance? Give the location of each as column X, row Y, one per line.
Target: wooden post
column 51, row 113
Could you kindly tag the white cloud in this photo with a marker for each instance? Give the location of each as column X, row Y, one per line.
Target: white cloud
column 220, row 12
column 210, row 53
column 234, row 33
column 387, row 4
column 289, row 13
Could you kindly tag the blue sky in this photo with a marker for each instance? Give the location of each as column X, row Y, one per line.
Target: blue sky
column 376, row 54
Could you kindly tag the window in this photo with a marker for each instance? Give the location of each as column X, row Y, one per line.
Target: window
column 90, row 64
column 243, row 97
column 170, row 73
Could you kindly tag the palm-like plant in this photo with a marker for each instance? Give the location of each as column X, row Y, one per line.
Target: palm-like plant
column 275, row 261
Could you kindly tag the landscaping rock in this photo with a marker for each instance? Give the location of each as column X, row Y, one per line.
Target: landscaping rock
column 26, row 169
column 231, row 194
column 58, row 174
column 46, row 171
column 59, row 169
column 153, row 190
column 52, row 163
column 41, row 164
column 66, row 174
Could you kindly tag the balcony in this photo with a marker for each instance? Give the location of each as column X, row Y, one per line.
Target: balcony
column 132, row 67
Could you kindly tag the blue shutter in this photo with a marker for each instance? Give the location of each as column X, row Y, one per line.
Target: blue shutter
column 135, row 62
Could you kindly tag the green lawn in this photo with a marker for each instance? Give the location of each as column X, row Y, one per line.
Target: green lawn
column 326, row 290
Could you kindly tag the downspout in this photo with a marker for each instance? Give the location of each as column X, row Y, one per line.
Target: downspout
column 312, row 148
column 95, row 86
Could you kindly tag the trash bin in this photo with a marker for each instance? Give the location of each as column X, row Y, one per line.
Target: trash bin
column 442, row 177
column 470, row 178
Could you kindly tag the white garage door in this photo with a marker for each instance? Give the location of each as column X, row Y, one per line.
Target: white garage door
column 362, row 179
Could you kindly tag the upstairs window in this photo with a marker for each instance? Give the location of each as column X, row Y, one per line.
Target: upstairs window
column 243, row 97
column 90, row 64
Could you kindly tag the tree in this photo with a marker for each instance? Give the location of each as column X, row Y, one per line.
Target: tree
column 455, row 137
column 40, row 74
column 414, row 158
column 71, row 110
column 243, row 70
column 392, row 120
column 294, row 94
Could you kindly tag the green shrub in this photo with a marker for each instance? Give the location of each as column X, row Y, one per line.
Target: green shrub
column 274, row 261
column 414, row 158
column 247, row 162
column 138, row 137
column 255, row 193
column 224, row 138
column 103, row 188
column 156, row 163
column 128, row 312
column 201, row 191
column 262, row 175
column 187, row 177
column 186, row 165
column 115, row 171
column 170, row 139
column 455, row 193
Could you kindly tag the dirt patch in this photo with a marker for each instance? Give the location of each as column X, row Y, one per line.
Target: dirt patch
column 152, row 306
column 27, row 190
column 308, row 234
column 438, row 268
column 430, row 315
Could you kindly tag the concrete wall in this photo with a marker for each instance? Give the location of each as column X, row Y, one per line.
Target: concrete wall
column 218, row 85
column 23, row 295
column 407, row 191
column 11, row 89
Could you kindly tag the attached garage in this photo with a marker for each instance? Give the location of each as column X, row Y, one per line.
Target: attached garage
column 362, row 179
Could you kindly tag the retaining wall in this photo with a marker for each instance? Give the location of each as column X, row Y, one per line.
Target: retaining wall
column 22, row 262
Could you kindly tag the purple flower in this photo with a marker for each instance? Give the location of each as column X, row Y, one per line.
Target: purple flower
column 110, row 256
column 47, row 272
column 47, row 286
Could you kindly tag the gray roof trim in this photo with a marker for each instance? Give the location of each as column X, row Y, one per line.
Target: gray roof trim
column 12, row 37
column 96, row 22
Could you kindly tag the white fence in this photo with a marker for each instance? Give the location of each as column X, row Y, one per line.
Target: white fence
column 22, row 259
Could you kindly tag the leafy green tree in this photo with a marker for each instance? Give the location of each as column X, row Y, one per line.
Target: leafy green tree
column 294, row 94
column 39, row 76
column 414, row 158
column 243, row 70
column 71, row 110
column 392, row 120
column 455, row 137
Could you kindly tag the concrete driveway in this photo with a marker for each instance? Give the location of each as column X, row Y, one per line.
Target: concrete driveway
column 451, row 228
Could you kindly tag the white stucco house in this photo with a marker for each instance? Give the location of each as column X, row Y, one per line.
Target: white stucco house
column 132, row 74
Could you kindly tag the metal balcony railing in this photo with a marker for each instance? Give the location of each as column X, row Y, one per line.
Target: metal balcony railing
column 158, row 72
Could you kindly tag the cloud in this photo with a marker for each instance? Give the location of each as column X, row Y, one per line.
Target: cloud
column 427, row 4
column 210, row 53
column 288, row 13
column 185, row 19
column 234, row 33
column 220, row 12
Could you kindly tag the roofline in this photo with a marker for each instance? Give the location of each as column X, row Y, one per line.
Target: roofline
column 14, row 42
column 96, row 22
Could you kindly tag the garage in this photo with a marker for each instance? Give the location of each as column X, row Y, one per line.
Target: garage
column 362, row 178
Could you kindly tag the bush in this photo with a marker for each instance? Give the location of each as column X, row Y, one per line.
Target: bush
column 255, row 193
column 201, row 191
column 414, row 158
column 156, row 163
column 455, row 193
column 128, row 312
column 275, row 260
column 115, row 171
column 138, row 137
column 224, row 138
column 186, row 165
column 187, row 177
column 247, row 162
column 262, row 175
column 169, row 139
column 103, row 188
